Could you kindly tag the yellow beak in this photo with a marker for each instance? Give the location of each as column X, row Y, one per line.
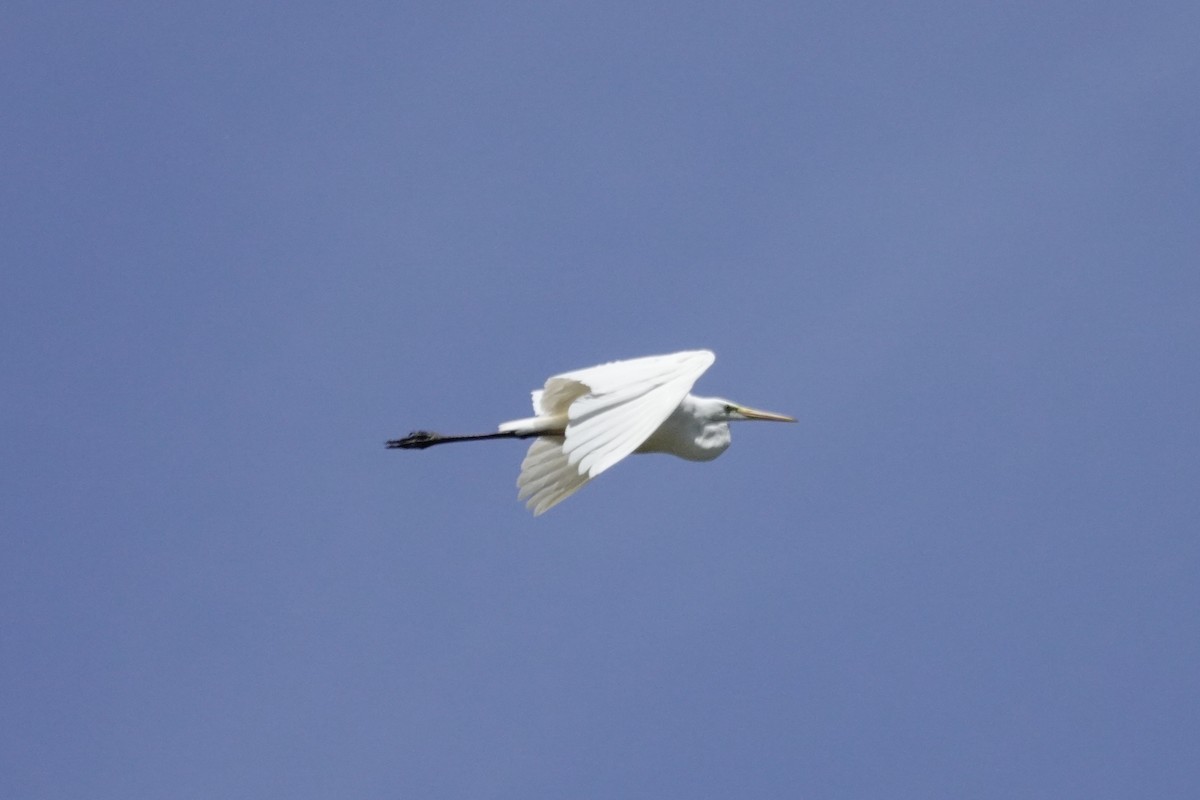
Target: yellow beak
column 754, row 413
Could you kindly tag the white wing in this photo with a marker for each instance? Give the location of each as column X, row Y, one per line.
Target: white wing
column 546, row 477
column 611, row 409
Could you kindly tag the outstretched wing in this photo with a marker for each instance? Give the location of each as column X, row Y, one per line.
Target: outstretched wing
column 611, row 409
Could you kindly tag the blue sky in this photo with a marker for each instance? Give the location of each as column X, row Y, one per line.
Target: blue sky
column 246, row 243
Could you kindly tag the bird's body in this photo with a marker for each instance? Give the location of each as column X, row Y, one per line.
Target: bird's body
column 589, row 419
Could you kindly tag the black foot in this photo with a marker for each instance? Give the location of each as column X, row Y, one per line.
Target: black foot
column 417, row 440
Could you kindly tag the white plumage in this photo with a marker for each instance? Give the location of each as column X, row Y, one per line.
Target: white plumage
column 607, row 413
column 589, row 419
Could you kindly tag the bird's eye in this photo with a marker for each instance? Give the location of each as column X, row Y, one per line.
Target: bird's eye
column 730, row 408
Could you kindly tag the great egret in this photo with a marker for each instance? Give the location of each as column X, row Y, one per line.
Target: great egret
column 589, row 419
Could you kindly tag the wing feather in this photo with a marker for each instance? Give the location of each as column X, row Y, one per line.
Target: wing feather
column 611, row 410
column 626, row 403
column 612, row 429
column 547, row 478
column 639, row 420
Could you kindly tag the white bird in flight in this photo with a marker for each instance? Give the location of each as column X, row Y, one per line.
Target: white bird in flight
column 589, row 419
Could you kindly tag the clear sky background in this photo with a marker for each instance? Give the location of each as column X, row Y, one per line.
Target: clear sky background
column 245, row 243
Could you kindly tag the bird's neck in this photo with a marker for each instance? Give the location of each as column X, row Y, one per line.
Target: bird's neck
column 687, row 433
